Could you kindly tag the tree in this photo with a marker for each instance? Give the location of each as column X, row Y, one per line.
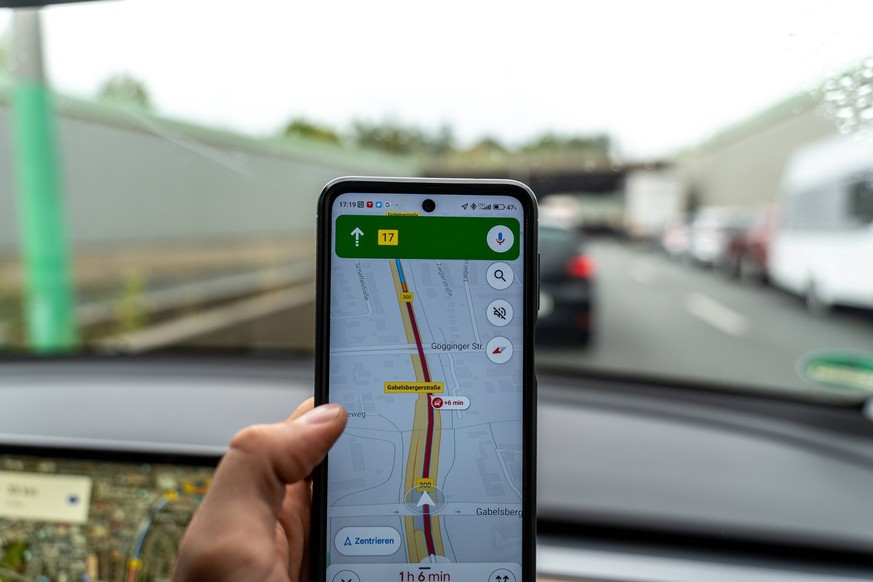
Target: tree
column 387, row 136
column 125, row 89
column 301, row 127
column 442, row 142
column 397, row 138
column 488, row 145
column 552, row 142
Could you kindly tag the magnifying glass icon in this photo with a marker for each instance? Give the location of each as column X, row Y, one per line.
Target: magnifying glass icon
column 500, row 276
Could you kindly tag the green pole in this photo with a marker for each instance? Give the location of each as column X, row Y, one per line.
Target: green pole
column 50, row 302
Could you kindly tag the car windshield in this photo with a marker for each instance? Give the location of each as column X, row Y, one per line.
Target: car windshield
column 704, row 171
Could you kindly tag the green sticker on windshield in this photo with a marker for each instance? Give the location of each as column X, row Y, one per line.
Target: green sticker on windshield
column 847, row 371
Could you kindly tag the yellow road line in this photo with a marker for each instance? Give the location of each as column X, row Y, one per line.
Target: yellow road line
column 415, row 459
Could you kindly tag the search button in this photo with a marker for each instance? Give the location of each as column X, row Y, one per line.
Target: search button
column 500, row 276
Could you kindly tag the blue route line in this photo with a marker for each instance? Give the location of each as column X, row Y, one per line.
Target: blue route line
column 400, row 270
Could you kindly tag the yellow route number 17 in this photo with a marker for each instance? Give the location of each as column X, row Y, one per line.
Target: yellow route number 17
column 388, row 237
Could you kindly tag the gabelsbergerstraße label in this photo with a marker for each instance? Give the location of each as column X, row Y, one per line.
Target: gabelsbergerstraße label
column 414, row 387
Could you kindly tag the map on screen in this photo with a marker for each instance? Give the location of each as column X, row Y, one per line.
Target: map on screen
column 425, row 354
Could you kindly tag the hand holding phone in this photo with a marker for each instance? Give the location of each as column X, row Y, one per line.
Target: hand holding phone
column 426, row 309
column 253, row 524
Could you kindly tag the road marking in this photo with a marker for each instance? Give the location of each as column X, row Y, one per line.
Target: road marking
column 506, row 472
column 717, row 314
column 457, row 387
column 642, row 272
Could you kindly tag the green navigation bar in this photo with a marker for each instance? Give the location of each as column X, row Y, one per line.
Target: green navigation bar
column 426, row 237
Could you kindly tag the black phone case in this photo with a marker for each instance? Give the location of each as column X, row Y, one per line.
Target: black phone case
column 435, row 187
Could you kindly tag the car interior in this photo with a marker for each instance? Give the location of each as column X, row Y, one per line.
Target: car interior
column 703, row 385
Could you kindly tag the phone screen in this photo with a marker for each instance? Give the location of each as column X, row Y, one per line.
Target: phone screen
column 425, row 352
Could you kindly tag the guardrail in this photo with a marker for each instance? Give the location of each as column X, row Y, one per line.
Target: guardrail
column 220, row 302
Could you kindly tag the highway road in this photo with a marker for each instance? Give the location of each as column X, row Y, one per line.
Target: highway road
column 657, row 317
column 432, row 437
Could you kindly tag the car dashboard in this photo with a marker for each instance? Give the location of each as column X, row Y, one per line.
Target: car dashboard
column 637, row 481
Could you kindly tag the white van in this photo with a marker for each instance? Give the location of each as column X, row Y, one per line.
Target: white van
column 823, row 247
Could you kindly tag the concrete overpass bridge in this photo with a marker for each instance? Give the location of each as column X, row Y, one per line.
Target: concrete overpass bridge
column 546, row 174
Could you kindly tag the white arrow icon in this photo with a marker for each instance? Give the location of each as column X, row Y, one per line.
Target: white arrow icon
column 357, row 233
column 425, row 500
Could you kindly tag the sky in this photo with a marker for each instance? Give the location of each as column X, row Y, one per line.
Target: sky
column 657, row 76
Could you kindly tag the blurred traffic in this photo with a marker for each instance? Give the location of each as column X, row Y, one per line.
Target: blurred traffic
column 695, row 283
column 689, row 257
column 812, row 237
column 609, row 231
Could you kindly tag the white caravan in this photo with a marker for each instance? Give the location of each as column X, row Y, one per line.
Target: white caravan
column 823, row 247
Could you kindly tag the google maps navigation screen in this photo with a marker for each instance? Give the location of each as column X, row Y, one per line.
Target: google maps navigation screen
column 425, row 354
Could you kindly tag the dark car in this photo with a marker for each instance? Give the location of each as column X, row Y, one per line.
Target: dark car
column 747, row 251
column 566, row 287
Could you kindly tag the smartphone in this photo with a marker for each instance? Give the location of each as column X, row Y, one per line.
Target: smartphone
column 426, row 305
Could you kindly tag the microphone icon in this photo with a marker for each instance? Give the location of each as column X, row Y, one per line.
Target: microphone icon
column 500, row 238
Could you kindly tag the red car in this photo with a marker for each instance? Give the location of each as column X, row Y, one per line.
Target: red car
column 748, row 251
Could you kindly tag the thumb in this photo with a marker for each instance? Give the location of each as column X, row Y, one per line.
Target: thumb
column 284, row 452
column 261, row 460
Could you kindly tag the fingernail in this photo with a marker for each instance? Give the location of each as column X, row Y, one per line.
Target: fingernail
column 323, row 413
